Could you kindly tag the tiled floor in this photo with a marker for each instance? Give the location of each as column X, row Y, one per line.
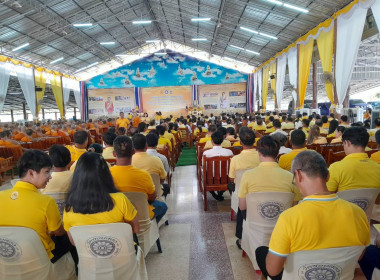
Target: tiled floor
column 198, row 244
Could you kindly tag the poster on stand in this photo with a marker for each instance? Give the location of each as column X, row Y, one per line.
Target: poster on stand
column 167, row 100
column 227, row 98
column 110, row 102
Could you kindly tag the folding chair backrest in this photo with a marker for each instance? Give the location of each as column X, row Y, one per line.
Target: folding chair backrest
column 60, row 199
column 157, row 183
column 106, row 251
column 238, row 176
column 23, row 256
column 139, row 200
column 264, row 208
column 364, row 198
column 332, row 263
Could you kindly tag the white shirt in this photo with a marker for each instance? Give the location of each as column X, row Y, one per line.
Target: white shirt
column 153, row 152
column 284, row 150
column 218, row 151
column 279, row 131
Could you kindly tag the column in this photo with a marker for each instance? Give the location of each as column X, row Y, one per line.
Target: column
column 315, row 89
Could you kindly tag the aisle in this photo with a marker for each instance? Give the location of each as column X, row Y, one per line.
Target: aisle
column 197, row 244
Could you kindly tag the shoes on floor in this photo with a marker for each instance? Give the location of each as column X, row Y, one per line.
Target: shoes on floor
column 216, row 196
column 238, row 243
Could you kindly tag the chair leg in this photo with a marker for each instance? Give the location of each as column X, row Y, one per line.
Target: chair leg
column 159, row 245
column 232, row 214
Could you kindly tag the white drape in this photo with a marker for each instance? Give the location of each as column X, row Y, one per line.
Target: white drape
column 78, row 96
column 67, row 85
column 260, row 84
column 26, row 78
column 5, row 71
column 255, row 89
column 292, row 65
column 349, row 32
column 281, row 69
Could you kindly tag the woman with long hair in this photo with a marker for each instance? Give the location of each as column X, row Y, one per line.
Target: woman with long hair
column 338, row 134
column 315, row 137
column 333, row 126
column 93, row 198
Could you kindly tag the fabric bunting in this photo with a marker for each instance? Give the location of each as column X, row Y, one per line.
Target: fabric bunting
column 195, row 93
column 250, row 95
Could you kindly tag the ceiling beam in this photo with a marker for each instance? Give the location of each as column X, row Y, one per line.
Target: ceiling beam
column 217, row 26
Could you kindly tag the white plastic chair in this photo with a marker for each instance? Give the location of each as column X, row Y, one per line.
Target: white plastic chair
column 148, row 234
column 14, row 181
column 23, row 256
column 364, row 198
column 263, row 210
column 106, row 251
column 332, row 263
column 376, row 213
column 234, row 195
column 157, row 183
column 60, row 199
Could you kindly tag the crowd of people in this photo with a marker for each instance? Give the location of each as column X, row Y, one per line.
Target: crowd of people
column 274, row 148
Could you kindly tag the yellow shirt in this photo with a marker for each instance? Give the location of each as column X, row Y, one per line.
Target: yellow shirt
column 252, row 124
column 246, row 159
column 196, row 130
column 320, row 140
column 355, row 171
column 325, row 125
column 268, row 177
column 286, row 125
column 149, row 163
column 205, row 139
column 24, row 206
column 270, row 130
column 108, row 153
column 59, row 182
column 319, row 222
column 286, row 160
column 336, row 140
column 225, row 144
column 122, row 211
column 131, row 179
column 259, row 127
column 169, row 136
column 122, row 122
column 75, row 152
column 164, row 141
column 376, row 157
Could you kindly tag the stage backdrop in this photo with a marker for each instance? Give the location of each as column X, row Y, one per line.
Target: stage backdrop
column 110, row 102
column 168, row 100
column 223, row 98
column 172, row 69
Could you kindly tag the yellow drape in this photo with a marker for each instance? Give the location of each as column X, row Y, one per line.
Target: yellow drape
column 273, row 71
column 304, row 62
column 325, row 44
column 265, row 86
column 56, row 86
column 40, row 81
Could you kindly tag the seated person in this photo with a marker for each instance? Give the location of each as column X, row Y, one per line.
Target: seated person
column 371, row 258
column 296, row 231
column 281, row 139
column 344, row 121
column 200, row 128
column 142, row 160
column 277, row 127
column 217, row 150
column 6, row 141
column 163, row 140
column 93, row 198
column 25, row 206
column 266, row 177
column 338, row 135
column 108, row 139
column 168, row 135
column 80, row 144
column 332, row 128
column 128, row 178
column 297, row 137
column 152, row 125
column 260, row 126
column 121, row 131
column 152, row 142
column 29, row 136
column 141, row 128
column 325, row 122
column 225, row 144
column 356, row 170
column 319, row 123
column 211, row 130
column 231, row 135
column 61, row 177
column 315, row 137
column 376, row 156
column 288, row 124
